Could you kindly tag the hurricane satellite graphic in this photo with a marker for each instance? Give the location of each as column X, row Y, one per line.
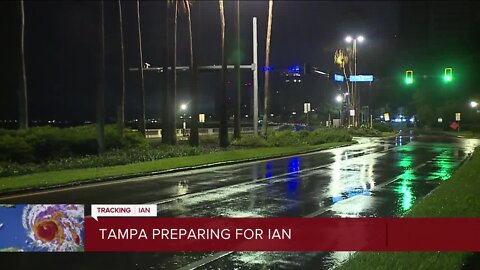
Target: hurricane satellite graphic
column 41, row 227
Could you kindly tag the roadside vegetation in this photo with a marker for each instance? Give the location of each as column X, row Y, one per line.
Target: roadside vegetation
column 457, row 197
column 48, row 149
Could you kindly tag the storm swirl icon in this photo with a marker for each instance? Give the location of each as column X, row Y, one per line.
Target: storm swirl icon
column 54, row 227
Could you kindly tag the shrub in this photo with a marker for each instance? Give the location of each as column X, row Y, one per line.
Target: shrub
column 383, row 127
column 329, row 135
column 284, row 138
column 250, row 141
column 45, row 143
column 15, row 148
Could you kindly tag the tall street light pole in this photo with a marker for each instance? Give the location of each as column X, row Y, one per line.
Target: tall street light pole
column 354, row 85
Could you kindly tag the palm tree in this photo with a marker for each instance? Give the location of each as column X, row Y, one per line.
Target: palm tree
column 22, row 89
column 121, row 105
column 267, row 72
column 173, row 94
column 141, row 121
column 342, row 59
column 194, row 137
column 222, row 97
column 237, row 125
column 166, row 93
column 100, row 104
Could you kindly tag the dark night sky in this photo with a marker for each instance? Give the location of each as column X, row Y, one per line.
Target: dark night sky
column 61, row 39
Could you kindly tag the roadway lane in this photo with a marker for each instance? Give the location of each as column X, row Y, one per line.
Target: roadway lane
column 378, row 177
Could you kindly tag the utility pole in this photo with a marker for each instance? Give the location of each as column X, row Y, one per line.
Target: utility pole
column 237, row 124
column 255, row 79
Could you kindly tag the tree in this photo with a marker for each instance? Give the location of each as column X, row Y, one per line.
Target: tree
column 173, row 92
column 100, row 104
column 141, row 121
column 194, row 136
column 166, row 93
column 266, row 87
column 222, row 93
column 237, row 125
column 22, row 89
column 121, row 105
column 342, row 59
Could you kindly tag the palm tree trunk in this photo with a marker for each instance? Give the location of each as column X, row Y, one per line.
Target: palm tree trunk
column 237, row 125
column 194, row 138
column 22, row 89
column 267, row 72
column 173, row 96
column 121, row 105
column 166, row 92
column 100, row 104
column 141, row 121
column 222, row 97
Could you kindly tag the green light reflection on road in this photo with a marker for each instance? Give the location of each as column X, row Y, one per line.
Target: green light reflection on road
column 405, row 191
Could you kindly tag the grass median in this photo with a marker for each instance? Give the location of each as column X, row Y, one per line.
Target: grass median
column 55, row 178
column 458, row 197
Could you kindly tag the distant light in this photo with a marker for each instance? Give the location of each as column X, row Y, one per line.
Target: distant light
column 360, row 38
column 412, row 120
column 294, row 69
column 183, row 107
column 271, row 114
column 294, row 113
column 473, row 104
column 246, row 115
column 440, row 120
column 348, row 39
column 339, row 98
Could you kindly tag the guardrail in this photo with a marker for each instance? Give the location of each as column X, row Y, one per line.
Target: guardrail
column 157, row 132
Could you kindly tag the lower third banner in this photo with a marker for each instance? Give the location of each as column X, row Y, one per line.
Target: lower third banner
column 282, row 234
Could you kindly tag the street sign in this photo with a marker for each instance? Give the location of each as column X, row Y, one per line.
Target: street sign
column 361, row 78
column 457, row 116
column 454, row 125
column 386, row 117
column 306, row 107
column 338, row 78
column 201, row 118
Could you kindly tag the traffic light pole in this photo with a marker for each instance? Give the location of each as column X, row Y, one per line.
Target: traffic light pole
column 253, row 67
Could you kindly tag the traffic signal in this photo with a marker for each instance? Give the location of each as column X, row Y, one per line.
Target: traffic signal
column 409, row 77
column 448, row 77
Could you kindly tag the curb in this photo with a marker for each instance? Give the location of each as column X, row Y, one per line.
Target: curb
column 175, row 170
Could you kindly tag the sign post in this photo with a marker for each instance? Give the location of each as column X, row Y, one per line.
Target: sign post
column 457, row 118
column 306, row 109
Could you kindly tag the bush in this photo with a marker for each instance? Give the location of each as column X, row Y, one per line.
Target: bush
column 383, row 127
column 320, row 136
column 44, row 143
column 284, row 138
column 364, row 132
column 250, row 141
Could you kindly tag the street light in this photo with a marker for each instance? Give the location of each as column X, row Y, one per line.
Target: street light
column 473, row 104
column 183, row 107
column 360, row 39
column 339, row 98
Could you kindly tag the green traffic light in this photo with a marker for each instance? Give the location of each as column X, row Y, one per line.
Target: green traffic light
column 409, row 77
column 448, row 75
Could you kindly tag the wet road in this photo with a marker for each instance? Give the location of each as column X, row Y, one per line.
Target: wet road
column 375, row 178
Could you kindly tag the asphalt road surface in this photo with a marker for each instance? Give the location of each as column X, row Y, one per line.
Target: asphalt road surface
column 379, row 177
